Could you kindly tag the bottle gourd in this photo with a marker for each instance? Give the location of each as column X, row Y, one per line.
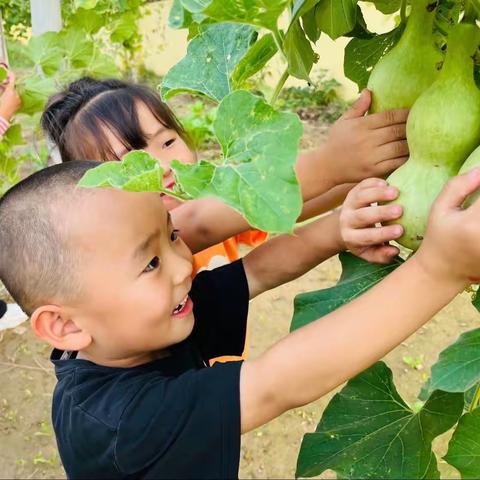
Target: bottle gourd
column 443, row 128
column 407, row 70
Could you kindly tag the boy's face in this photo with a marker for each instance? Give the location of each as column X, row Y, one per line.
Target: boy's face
column 136, row 275
column 163, row 143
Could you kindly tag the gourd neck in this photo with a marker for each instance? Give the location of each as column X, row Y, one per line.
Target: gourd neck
column 462, row 43
column 420, row 22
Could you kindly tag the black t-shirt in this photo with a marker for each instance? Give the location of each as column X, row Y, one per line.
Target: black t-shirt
column 170, row 418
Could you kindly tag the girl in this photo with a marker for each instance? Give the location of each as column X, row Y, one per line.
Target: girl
column 103, row 120
column 10, row 313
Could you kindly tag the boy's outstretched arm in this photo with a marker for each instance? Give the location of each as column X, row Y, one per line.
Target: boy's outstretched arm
column 317, row 358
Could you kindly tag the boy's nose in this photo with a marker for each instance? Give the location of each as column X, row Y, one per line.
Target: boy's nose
column 182, row 269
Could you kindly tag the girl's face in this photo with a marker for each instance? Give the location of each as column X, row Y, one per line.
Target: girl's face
column 162, row 143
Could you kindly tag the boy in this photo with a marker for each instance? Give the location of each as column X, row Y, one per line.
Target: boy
column 133, row 398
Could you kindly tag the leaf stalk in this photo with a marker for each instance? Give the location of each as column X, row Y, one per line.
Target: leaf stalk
column 279, row 86
column 476, row 399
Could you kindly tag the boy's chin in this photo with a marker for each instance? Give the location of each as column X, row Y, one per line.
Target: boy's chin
column 183, row 327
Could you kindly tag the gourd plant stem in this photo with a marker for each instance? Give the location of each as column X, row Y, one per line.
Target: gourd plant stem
column 279, row 87
column 403, row 11
column 277, row 37
column 476, row 399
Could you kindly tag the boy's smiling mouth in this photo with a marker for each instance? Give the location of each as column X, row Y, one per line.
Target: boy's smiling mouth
column 183, row 308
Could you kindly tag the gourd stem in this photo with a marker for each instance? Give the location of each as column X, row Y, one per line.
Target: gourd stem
column 403, row 11
column 476, row 399
column 279, row 87
column 277, row 37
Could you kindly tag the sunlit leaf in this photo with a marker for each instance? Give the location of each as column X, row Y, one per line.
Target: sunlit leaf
column 368, row 431
column 357, row 277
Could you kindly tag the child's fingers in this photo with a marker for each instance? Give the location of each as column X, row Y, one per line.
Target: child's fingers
column 375, row 236
column 366, row 216
column 390, row 134
column 383, row 254
column 384, row 119
column 393, row 150
column 366, row 196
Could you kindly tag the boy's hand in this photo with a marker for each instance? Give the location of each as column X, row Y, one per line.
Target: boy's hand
column 362, row 146
column 358, row 218
column 451, row 247
column 9, row 100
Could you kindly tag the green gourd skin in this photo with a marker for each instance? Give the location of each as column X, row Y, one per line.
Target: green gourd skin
column 473, row 161
column 443, row 128
column 401, row 76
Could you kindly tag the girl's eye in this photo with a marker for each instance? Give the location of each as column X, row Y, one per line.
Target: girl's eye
column 169, row 142
column 153, row 265
column 174, row 235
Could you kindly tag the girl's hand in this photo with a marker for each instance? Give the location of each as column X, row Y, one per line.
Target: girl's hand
column 362, row 146
column 9, row 100
column 358, row 218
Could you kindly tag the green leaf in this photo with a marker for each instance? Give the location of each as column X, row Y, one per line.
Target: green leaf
column 310, row 26
column 368, row 431
column 301, row 7
column 357, row 277
column 86, row 4
column 261, row 13
column 476, row 300
column 361, row 55
column 87, row 20
column 124, row 28
column 386, row 6
column 3, row 73
column 45, row 51
column 101, row 66
column 254, row 60
column 13, row 136
column 34, row 92
column 458, row 366
column 256, row 176
column 195, row 6
column 77, row 47
column 179, row 17
column 211, row 58
column 137, row 172
column 336, row 17
column 464, row 447
column 299, row 52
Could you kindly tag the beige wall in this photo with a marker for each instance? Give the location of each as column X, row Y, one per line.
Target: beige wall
column 164, row 47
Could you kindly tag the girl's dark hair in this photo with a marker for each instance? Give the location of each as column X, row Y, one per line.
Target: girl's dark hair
column 73, row 119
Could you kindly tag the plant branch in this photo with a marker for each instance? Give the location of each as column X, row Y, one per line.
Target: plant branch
column 277, row 36
column 279, row 86
column 476, row 399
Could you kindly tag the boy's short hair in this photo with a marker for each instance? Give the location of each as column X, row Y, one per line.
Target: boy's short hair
column 37, row 263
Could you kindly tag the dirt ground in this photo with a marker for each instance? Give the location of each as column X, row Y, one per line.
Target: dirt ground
column 28, row 444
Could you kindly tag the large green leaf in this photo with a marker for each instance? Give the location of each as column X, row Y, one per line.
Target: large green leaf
column 256, row 176
column 179, row 17
column 299, row 52
column 86, row 4
column 45, row 51
column 254, row 60
column 34, row 92
column 261, row 13
column 464, row 447
column 89, row 21
column 137, row 172
column 362, row 54
column 458, row 366
column 336, row 17
column 357, row 277
column 124, row 28
column 195, row 6
column 77, row 47
column 211, row 58
column 386, row 6
column 368, row 431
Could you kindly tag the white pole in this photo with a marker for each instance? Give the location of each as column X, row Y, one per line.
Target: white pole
column 46, row 16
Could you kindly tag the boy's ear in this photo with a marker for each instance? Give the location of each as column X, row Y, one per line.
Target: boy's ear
column 50, row 323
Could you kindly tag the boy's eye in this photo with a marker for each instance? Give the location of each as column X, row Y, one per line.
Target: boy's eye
column 174, row 235
column 169, row 142
column 153, row 264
